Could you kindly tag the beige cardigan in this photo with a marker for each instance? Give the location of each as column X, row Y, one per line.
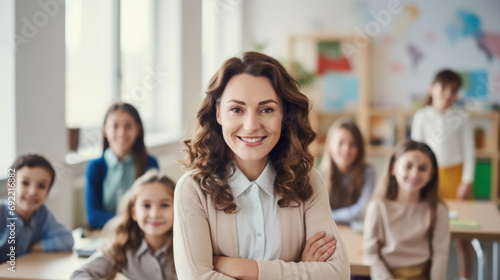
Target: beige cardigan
column 201, row 232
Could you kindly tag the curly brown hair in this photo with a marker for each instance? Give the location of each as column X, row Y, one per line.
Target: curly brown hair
column 340, row 195
column 123, row 233
column 208, row 154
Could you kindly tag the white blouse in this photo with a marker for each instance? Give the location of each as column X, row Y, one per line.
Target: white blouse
column 449, row 135
column 257, row 220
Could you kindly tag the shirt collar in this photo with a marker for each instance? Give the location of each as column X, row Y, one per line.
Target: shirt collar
column 239, row 182
column 112, row 160
column 144, row 249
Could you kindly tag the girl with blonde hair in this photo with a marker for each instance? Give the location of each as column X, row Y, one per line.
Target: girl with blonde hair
column 138, row 241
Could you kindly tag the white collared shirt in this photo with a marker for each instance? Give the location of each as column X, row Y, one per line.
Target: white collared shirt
column 257, row 221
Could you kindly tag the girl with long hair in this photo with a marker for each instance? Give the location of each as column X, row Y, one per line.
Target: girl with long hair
column 124, row 159
column 349, row 180
column 406, row 233
column 138, row 241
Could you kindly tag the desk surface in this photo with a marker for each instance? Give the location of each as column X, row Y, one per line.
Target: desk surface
column 50, row 266
column 354, row 245
column 484, row 212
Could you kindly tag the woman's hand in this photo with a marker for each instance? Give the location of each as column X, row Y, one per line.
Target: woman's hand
column 319, row 248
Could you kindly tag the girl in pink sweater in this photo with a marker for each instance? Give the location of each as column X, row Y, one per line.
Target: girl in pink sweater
column 406, row 233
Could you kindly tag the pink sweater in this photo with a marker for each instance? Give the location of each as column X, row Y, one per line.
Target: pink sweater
column 396, row 233
column 201, row 232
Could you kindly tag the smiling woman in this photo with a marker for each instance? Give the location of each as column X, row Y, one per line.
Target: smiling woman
column 250, row 114
column 251, row 206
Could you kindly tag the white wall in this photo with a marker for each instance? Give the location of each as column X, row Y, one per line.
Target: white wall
column 191, row 61
column 422, row 25
column 40, row 88
column 7, row 109
column 272, row 22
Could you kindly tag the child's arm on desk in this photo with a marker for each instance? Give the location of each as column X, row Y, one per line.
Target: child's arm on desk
column 55, row 236
column 98, row 267
column 37, row 247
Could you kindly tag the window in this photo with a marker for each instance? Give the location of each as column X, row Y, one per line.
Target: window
column 122, row 50
column 7, row 80
column 222, row 29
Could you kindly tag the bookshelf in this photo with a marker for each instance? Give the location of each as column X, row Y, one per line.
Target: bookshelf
column 366, row 116
column 301, row 47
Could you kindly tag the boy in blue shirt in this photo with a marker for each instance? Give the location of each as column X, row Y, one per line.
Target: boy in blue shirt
column 26, row 224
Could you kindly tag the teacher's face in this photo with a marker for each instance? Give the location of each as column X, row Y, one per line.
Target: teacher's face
column 250, row 113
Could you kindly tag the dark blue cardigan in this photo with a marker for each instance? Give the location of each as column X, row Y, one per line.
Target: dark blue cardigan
column 96, row 171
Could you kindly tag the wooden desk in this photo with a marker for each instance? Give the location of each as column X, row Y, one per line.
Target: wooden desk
column 353, row 242
column 487, row 215
column 484, row 212
column 49, row 266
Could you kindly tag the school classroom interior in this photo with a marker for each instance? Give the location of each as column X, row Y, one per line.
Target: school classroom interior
column 65, row 62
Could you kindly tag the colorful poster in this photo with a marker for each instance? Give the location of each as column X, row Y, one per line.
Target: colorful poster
column 340, row 91
column 331, row 58
column 475, row 84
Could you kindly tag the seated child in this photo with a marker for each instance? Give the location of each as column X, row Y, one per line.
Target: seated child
column 123, row 160
column 406, row 233
column 350, row 181
column 24, row 215
column 138, row 241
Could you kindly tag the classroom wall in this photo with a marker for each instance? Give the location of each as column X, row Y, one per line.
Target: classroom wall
column 7, row 104
column 410, row 41
column 271, row 22
column 39, row 90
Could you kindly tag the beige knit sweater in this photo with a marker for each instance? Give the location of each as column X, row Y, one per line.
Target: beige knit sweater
column 201, row 232
column 395, row 234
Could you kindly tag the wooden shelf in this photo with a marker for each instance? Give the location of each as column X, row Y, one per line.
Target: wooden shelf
column 336, row 114
column 379, row 150
column 485, row 154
